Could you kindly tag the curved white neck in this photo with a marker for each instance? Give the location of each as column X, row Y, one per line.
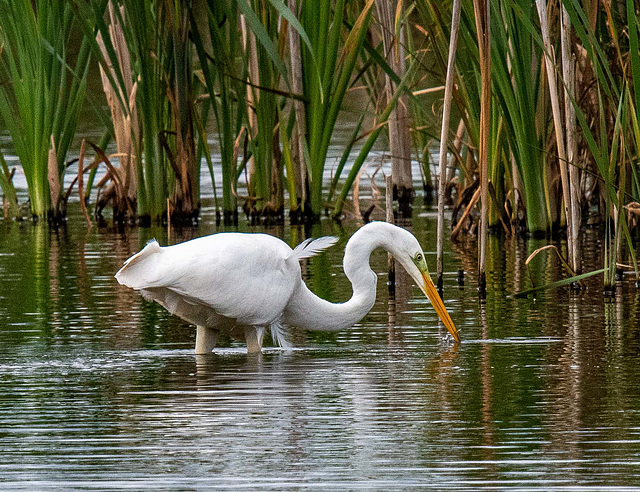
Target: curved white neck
column 308, row 311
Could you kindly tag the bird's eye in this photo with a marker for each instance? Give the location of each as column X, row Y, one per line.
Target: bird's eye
column 419, row 257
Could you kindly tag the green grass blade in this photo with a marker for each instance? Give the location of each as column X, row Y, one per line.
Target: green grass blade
column 634, row 49
column 345, row 157
column 295, row 23
column 366, row 148
column 559, row 283
column 262, row 36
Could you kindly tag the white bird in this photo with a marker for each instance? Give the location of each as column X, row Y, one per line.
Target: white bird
column 253, row 281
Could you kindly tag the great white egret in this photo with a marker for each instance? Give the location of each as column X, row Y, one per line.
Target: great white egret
column 253, row 281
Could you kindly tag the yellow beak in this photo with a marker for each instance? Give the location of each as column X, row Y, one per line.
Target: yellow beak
column 432, row 293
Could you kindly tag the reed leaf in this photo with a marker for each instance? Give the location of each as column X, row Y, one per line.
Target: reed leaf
column 559, row 283
column 634, row 50
column 261, row 33
column 345, row 156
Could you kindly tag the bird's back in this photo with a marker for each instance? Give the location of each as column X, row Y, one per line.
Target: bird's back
column 216, row 280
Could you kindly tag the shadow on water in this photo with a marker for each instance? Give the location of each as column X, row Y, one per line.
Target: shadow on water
column 100, row 389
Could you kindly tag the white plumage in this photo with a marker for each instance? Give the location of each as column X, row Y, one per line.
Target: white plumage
column 253, row 281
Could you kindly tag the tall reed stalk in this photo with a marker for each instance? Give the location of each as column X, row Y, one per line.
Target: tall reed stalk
column 558, row 126
column 483, row 29
column 568, row 76
column 299, row 160
column 266, row 191
column 444, row 138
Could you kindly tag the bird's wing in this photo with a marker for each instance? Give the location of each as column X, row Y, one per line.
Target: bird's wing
column 245, row 277
column 311, row 247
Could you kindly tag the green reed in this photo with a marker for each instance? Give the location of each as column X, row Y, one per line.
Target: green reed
column 159, row 55
column 143, row 23
column 218, row 43
column 42, row 96
column 609, row 129
column 328, row 65
column 516, row 74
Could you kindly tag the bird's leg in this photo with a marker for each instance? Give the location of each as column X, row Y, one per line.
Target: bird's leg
column 254, row 338
column 206, row 339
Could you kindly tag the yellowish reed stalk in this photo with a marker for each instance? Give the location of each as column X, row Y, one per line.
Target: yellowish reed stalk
column 483, row 28
column 444, row 136
column 389, row 13
column 83, row 203
column 251, row 49
column 568, row 74
column 300, row 129
column 54, row 178
column 550, row 61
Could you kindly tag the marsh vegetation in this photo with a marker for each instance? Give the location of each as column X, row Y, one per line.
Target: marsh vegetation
column 541, row 138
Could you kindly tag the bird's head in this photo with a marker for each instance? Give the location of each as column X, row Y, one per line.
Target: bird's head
column 409, row 254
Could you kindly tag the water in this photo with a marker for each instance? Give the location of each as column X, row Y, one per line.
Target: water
column 100, row 389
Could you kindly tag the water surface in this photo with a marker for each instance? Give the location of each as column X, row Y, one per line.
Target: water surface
column 100, row 389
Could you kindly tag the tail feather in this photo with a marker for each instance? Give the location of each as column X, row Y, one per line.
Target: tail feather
column 278, row 335
column 139, row 271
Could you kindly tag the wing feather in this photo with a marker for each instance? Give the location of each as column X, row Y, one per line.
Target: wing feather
column 311, row 247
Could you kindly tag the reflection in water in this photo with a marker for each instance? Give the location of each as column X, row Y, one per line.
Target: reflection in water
column 488, row 442
column 101, row 390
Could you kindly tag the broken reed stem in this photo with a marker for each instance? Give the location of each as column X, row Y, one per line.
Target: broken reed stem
column 53, row 177
column 483, row 28
column 356, row 196
column 390, row 220
column 444, row 134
